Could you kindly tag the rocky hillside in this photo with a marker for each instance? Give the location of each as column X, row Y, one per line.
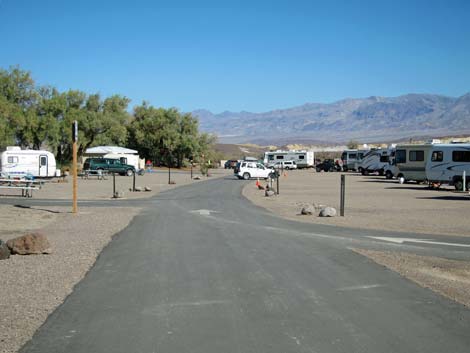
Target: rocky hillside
column 367, row 119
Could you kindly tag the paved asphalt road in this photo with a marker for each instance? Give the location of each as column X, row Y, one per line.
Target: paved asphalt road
column 202, row 270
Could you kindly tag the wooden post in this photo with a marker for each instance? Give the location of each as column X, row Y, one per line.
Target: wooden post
column 74, row 166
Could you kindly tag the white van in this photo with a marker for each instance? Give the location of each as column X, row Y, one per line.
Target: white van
column 446, row 164
column 15, row 162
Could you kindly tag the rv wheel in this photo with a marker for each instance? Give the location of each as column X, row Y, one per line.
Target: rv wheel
column 388, row 174
column 458, row 185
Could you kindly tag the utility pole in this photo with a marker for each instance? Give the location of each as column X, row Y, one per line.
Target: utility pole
column 74, row 166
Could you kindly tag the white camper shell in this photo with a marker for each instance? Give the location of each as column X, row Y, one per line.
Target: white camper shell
column 15, row 162
column 303, row 159
column 447, row 163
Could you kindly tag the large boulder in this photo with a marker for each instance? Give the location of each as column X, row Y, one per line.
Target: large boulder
column 28, row 244
column 4, row 250
column 328, row 212
column 308, row 210
column 148, row 188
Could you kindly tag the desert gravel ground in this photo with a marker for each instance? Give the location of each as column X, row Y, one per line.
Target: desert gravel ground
column 371, row 203
column 33, row 286
column 448, row 277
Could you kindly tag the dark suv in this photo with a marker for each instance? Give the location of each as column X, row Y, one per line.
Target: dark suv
column 109, row 164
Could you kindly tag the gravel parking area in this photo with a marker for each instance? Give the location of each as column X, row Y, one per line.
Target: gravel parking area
column 33, row 286
column 447, row 277
column 372, row 202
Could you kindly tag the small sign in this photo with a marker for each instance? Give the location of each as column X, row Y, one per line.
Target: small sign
column 75, row 131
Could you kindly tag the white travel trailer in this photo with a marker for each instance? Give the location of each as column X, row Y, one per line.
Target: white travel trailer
column 303, row 159
column 377, row 160
column 411, row 162
column 351, row 158
column 15, row 162
column 446, row 164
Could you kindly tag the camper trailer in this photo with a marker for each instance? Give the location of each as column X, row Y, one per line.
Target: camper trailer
column 446, row 164
column 376, row 161
column 303, row 159
column 411, row 162
column 15, row 162
column 125, row 155
column 352, row 158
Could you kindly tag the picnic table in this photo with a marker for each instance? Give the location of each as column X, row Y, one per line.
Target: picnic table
column 25, row 185
column 100, row 174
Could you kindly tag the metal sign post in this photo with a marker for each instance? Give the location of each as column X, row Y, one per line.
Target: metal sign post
column 74, row 166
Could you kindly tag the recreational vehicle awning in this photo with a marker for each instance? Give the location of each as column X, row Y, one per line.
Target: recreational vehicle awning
column 110, row 149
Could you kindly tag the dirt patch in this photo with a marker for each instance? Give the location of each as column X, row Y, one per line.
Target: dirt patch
column 450, row 278
column 33, row 286
column 372, row 202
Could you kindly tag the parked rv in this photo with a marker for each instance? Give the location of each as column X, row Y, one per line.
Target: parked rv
column 374, row 161
column 15, row 162
column 303, row 159
column 446, row 164
column 351, row 158
column 411, row 162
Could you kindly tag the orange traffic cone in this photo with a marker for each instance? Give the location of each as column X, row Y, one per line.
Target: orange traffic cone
column 257, row 182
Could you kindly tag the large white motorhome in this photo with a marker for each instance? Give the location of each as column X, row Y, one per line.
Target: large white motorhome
column 446, row 164
column 15, row 162
column 352, row 157
column 303, row 159
column 411, row 162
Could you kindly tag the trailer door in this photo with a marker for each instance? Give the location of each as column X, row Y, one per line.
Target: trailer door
column 43, row 165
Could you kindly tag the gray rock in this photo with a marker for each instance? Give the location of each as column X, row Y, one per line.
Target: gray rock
column 269, row 193
column 119, row 194
column 4, row 251
column 308, row 210
column 138, row 188
column 328, row 212
column 148, row 188
column 197, row 178
column 31, row 243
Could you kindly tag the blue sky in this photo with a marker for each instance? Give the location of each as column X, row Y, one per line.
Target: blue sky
column 240, row 55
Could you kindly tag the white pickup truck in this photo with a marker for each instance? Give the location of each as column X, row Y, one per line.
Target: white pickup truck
column 249, row 170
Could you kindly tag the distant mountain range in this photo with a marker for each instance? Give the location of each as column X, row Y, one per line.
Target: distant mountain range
column 372, row 119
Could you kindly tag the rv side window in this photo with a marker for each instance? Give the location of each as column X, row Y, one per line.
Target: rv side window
column 400, row 156
column 270, row 157
column 416, row 156
column 384, row 159
column 343, row 156
column 437, row 156
column 123, row 160
column 279, row 157
column 43, row 161
column 12, row 159
column 461, row 156
column 352, row 156
column 301, row 157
